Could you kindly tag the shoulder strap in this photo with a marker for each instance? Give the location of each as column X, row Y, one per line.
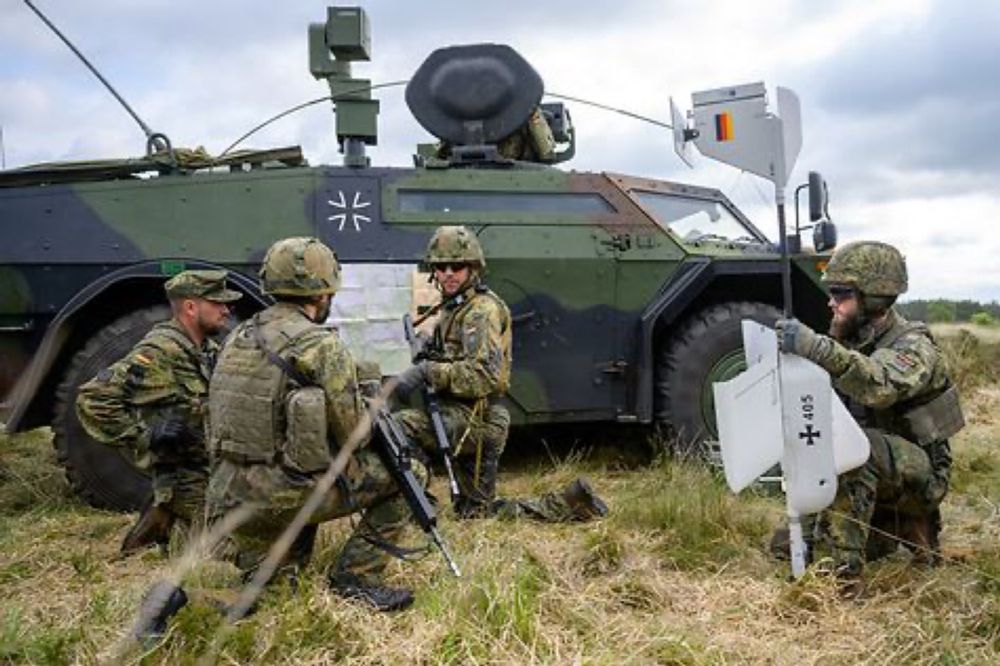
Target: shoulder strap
column 277, row 360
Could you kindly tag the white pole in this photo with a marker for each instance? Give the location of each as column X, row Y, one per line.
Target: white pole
column 796, row 544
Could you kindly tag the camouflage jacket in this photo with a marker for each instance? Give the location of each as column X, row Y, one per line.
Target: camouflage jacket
column 471, row 348
column 165, row 374
column 891, row 370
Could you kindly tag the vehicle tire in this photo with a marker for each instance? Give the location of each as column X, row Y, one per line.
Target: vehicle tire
column 707, row 348
column 105, row 476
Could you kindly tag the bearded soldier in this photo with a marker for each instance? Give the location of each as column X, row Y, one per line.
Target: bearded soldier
column 893, row 375
column 152, row 401
column 284, row 397
column 467, row 364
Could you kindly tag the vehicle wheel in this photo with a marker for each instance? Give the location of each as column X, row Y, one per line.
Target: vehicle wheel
column 707, row 348
column 105, row 476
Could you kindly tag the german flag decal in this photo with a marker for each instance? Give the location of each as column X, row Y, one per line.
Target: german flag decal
column 724, row 126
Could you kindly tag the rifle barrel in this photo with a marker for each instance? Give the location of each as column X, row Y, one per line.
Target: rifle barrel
column 444, row 551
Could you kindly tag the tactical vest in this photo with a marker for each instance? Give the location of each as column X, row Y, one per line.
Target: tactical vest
column 448, row 334
column 258, row 413
column 927, row 418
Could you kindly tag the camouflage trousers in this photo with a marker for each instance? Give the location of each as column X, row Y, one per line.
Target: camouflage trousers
column 277, row 494
column 181, row 491
column 899, row 476
column 477, row 439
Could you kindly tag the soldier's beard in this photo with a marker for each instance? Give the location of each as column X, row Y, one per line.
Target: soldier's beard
column 210, row 328
column 847, row 327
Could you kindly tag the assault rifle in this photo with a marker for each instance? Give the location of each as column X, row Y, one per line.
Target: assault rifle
column 433, row 409
column 394, row 450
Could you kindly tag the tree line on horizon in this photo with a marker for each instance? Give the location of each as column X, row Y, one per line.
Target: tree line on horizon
column 943, row 310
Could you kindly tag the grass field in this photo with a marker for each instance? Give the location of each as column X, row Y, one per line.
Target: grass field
column 988, row 334
column 676, row 574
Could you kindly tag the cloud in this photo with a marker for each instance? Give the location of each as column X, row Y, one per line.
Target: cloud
column 899, row 96
column 917, row 98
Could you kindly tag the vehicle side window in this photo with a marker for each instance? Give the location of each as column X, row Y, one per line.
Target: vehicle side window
column 693, row 219
column 435, row 201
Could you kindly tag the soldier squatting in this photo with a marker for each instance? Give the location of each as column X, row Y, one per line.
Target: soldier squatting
column 285, row 394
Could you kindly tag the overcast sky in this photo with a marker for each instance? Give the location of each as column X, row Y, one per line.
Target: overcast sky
column 900, row 99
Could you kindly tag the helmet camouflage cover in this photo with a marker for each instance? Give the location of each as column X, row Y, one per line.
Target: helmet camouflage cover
column 300, row 266
column 871, row 267
column 454, row 244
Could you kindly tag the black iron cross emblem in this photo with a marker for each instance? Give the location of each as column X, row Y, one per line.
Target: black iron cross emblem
column 809, row 434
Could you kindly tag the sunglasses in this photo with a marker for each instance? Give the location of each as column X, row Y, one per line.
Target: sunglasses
column 841, row 294
column 454, row 266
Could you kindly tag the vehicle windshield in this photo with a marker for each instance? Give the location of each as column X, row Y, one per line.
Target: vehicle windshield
column 694, row 219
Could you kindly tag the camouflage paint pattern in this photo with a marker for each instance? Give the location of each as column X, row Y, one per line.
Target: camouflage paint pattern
column 594, row 283
column 569, row 271
column 165, row 376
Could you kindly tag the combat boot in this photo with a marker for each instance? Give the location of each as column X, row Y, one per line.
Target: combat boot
column 378, row 597
column 466, row 508
column 921, row 536
column 161, row 602
column 883, row 539
column 152, row 528
column 583, row 501
column 847, row 568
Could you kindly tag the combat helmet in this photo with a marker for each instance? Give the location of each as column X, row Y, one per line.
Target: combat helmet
column 454, row 244
column 875, row 269
column 300, row 266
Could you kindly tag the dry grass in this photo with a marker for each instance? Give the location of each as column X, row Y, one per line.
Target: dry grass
column 988, row 334
column 677, row 574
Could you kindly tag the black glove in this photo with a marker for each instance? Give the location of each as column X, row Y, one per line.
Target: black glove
column 171, row 435
column 411, row 379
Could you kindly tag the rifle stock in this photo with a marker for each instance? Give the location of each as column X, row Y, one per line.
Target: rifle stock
column 394, row 450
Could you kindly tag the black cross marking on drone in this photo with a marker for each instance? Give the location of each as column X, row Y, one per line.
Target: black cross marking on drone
column 809, row 434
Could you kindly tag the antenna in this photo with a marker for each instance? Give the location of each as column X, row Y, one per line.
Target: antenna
column 155, row 141
column 733, row 125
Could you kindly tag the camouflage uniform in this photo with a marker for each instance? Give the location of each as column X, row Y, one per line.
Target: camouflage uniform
column 533, row 141
column 895, row 380
column 258, row 459
column 165, row 376
column 468, row 366
column 469, row 369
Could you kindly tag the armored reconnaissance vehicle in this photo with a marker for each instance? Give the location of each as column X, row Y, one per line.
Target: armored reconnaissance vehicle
column 626, row 292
